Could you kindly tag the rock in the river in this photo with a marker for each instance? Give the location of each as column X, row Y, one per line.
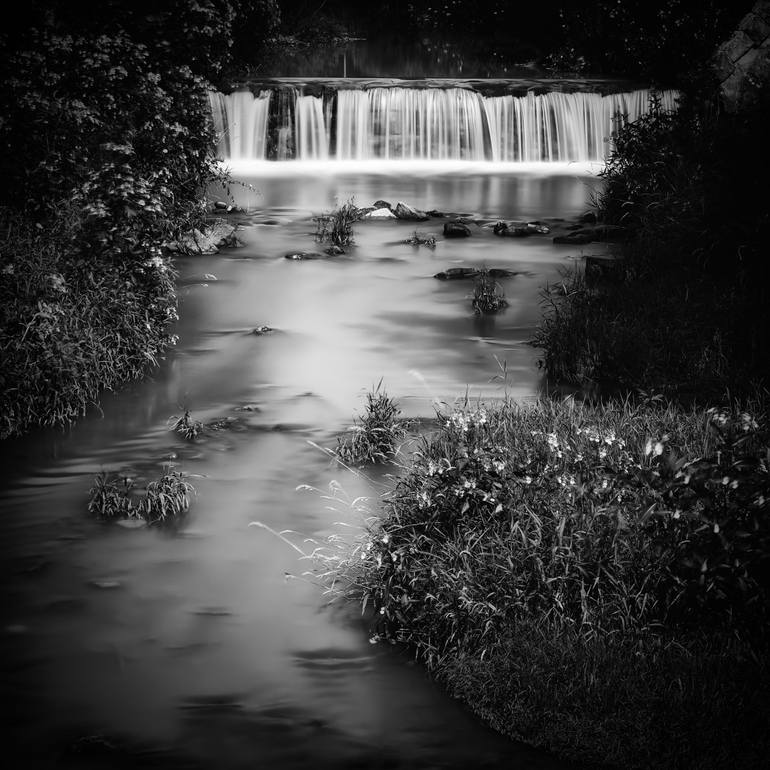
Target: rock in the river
column 456, row 230
column 381, row 205
column 334, row 250
column 589, row 218
column 463, row 273
column 381, row 213
column 260, row 330
column 217, row 236
column 611, row 233
column 538, row 227
column 457, row 274
column 404, row 211
column 517, row 231
column 435, row 214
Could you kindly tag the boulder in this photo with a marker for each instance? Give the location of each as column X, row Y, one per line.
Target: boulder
column 382, row 213
column 517, row 231
column 381, row 205
column 404, row 211
column 538, row 227
column 334, row 250
column 435, row 214
column 588, row 218
column 456, row 230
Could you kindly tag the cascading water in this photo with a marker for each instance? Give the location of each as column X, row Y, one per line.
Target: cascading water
column 395, row 123
column 240, row 123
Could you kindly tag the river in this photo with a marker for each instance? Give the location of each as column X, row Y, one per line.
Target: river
column 203, row 645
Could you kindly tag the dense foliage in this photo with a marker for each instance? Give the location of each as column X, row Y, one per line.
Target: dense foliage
column 106, row 155
column 689, row 312
column 560, row 566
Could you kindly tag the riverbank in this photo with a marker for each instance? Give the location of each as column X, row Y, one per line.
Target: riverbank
column 592, row 580
column 108, row 143
column 685, row 310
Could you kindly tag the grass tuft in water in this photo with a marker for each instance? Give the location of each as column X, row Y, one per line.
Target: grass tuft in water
column 113, row 497
column 336, row 228
column 488, row 295
column 186, row 426
column 375, row 437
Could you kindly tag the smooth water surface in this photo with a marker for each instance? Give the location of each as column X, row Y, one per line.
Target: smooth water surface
column 202, row 646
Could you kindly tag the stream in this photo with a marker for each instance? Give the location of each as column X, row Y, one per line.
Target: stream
column 203, row 645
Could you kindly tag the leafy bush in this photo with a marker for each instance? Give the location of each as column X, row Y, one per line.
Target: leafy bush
column 689, row 313
column 375, row 436
column 557, row 564
column 108, row 140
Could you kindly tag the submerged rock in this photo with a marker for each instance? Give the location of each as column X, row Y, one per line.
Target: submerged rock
column 404, row 211
column 463, row 273
column 456, row 230
column 304, row 255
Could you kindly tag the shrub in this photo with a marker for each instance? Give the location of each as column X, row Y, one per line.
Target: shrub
column 336, row 228
column 571, row 570
column 375, row 436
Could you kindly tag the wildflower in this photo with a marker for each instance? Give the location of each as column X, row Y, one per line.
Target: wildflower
column 528, row 479
column 432, row 468
column 747, row 422
column 734, row 484
column 374, row 639
column 657, row 449
column 553, row 441
column 602, row 453
column 386, row 538
column 8, row 270
column 499, row 465
column 725, row 480
column 677, row 513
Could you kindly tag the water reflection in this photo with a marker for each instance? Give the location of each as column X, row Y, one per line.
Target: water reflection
column 206, row 647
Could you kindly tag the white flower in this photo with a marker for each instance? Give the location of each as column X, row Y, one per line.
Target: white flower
column 553, row 441
column 657, row 449
column 528, row 479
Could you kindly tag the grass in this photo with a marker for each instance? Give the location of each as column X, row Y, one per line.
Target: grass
column 70, row 327
column 488, row 295
column 374, row 437
column 421, row 239
column 186, row 426
column 336, row 228
column 591, row 579
column 114, row 497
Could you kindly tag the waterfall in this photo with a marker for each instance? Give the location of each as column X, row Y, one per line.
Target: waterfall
column 312, row 139
column 240, row 123
column 397, row 123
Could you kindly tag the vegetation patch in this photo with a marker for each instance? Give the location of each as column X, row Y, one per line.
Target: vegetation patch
column 376, row 436
column 488, row 294
column 115, row 497
column 336, row 228
column 686, row 312
column 595, row 580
